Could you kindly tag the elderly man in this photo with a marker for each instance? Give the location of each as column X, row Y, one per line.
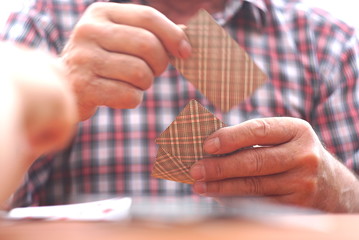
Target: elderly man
column 306, row 114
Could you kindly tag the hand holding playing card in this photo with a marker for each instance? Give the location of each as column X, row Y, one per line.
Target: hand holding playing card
column 225, row 74
column 181, row 144
column 290, row 165
column 220, row 69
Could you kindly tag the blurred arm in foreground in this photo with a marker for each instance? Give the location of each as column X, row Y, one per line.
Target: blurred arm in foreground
column 37, row 112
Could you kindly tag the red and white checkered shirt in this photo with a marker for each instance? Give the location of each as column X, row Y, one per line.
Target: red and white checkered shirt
column 311, row 60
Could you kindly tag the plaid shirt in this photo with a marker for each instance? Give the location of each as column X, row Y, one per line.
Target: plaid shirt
column 311, row 60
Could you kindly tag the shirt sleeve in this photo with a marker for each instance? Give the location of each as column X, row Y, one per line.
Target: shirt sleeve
column 35, row 26
column 337, row 111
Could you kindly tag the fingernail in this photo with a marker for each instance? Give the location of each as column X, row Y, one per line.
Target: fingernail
column 200, row 187
column 212, row 145
column 197, row 172
column 185, row 49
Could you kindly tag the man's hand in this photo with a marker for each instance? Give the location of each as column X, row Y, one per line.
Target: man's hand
column 116, row 50
column 278, row 159
column 37, row 112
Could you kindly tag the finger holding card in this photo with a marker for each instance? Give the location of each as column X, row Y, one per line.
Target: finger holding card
column 291, row 166
column 218, row 67
column 223, row 73
column 181, row 144
column 280, row 159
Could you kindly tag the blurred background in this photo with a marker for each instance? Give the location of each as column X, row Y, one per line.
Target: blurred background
column 343, row 9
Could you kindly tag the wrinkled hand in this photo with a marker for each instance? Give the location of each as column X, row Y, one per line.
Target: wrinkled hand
column 116, row 50
column 287, row 165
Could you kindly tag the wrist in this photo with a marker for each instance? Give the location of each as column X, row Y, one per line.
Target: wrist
column 340, row 194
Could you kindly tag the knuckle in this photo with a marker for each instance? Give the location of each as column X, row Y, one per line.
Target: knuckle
column 257, row 161
column 148, row 14
column 132, row 98
column 231, row 136
column 77, row 70
column 305, row 125
column 97, row 62
column 309, row 186
column 150, row 45
column 303, row 190
column 218, row 171
column 305, row 196
column 254, row 185
column 85, row 29
column 228, row 135
column 141, row 76
column 161, row 65
column 311, row 160
column 147, row 43
column 90, row 26
column 261, row 128
column 95, row 59
column 304, row 128
column 78, row 56
column 129, row 96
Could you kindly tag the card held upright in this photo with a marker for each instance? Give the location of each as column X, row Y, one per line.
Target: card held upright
column 181, row 144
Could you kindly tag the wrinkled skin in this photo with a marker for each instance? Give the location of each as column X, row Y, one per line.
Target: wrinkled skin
column 112, row 57
column 115, row 52
column 287, row 165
